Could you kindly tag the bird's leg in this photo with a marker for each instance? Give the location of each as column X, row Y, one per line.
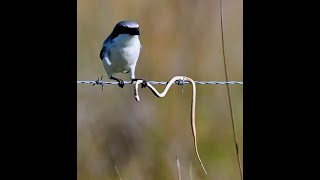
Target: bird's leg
column 132, row 76
column 143, row 84
column 120, row 84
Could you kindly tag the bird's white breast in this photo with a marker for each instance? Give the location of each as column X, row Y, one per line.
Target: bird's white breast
column 124, row 52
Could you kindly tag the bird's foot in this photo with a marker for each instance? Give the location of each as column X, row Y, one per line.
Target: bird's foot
column 143, row 84
column 120, row 81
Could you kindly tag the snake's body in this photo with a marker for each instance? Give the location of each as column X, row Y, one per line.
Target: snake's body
column 193, row 104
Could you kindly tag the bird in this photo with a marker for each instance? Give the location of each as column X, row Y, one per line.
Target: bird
column 120, row 51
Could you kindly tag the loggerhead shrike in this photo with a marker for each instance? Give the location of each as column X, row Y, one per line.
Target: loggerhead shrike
column 120, row 51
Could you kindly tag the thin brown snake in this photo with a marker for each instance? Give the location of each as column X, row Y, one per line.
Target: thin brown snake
column 193, row 104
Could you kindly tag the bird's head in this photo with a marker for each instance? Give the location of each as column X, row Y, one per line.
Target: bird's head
column 125, row 27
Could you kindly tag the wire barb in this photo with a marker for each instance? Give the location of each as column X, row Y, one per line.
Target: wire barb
column 99, row 82
column 183, row 83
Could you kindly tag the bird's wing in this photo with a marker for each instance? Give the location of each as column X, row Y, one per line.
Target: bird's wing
column 104, row 55
column 103, row 52
column 104, row 49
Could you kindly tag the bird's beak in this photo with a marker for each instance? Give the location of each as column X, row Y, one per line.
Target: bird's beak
column 135, row 31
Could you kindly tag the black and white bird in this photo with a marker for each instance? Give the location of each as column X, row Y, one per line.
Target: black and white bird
column 120, row 51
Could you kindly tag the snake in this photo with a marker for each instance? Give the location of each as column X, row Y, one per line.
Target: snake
column 193, row 105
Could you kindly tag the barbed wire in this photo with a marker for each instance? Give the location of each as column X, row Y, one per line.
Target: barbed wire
column 99, row 82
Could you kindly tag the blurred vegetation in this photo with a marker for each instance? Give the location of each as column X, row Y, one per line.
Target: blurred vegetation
column 179, row 37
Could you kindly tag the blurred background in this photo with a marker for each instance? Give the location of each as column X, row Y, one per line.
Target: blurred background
column 143, row 139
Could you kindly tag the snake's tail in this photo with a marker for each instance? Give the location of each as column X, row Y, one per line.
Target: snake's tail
column 196, row 148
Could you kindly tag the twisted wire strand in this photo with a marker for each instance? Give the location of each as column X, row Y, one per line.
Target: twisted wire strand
column 162, row 82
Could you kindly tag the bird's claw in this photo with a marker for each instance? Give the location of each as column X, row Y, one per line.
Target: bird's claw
column 121, row 83
column 143, row 84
